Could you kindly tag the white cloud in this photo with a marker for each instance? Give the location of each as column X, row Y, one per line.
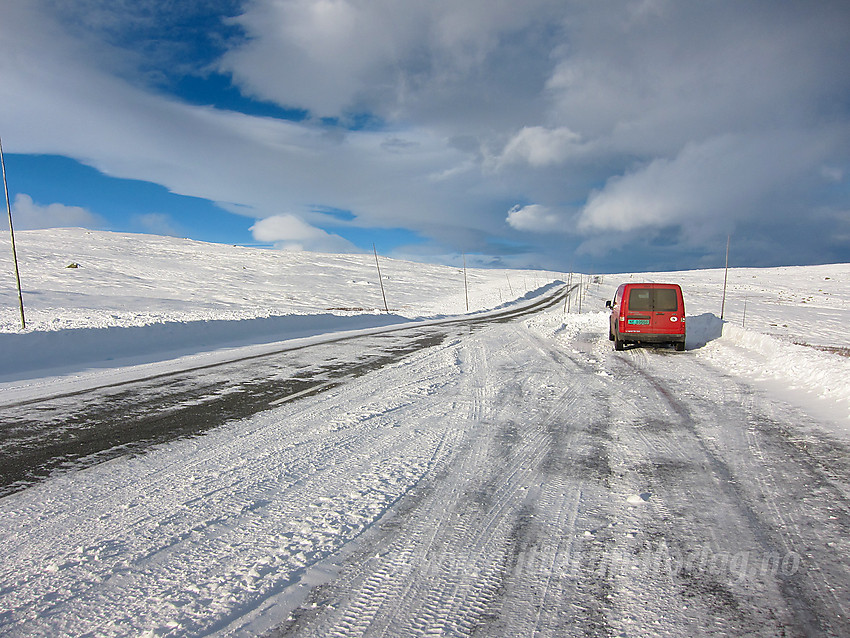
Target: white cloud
column 732, row 178
column 27, row 215
column 429, row 61
column 662, row 114
column 832, row 173
column 539, row 146
column 536, row 219
column 327, row 50
column 288, row 232
column 258, row 165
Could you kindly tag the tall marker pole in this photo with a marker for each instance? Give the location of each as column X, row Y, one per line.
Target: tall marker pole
column 380, row 279
column 580, row 285
column 12, row 233
column 725, row 277
column 465, row 286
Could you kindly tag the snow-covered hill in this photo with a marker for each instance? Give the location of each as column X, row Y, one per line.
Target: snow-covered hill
column 118, row 279
column 92, row 297
column 75, row 278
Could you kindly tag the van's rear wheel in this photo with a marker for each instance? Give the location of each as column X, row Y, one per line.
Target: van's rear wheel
column 680, row 346
column 618, row 344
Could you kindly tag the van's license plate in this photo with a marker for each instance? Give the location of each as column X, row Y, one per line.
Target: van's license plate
column 639, row 322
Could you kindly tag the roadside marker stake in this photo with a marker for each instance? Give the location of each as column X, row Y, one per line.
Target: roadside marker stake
column 12, row 233
column 380, row 280
column 725, row 277
column 465, row 286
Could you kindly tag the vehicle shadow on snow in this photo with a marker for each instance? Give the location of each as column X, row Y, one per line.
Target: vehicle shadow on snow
column 702, row 329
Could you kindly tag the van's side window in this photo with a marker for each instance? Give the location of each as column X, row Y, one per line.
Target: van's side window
column 649, row 299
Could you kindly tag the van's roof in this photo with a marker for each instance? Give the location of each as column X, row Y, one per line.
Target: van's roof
column 650, row 285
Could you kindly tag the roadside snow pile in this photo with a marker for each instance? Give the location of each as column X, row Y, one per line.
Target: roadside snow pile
column 574, row 325
column 761, row 357
column 567, row 326
column 67, row 350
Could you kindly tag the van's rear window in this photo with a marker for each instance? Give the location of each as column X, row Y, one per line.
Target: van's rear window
column 648, row 299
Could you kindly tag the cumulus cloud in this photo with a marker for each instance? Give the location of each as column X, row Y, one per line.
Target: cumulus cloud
column 647, row 116
column 709, row 186
column 256, row 164
column 441, row 61
column 28, row 215
column 536, row 219
column 539, row 146
column 288, row 232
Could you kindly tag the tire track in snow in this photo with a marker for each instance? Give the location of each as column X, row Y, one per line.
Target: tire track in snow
column 247, row 511
column 680, row 557
column 397, row 579
column 581, row 557
column 720, row 438
column 464, row 539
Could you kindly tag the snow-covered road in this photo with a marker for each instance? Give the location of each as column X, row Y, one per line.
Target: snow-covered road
column 69, row 422
column 596, row 493
column 518, row 478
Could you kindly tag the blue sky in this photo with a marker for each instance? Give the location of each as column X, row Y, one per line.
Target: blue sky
column 544, row 133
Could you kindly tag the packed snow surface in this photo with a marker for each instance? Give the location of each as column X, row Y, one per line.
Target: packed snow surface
column 514, row 478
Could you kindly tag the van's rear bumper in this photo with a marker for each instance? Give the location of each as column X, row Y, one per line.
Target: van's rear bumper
column 644, row 337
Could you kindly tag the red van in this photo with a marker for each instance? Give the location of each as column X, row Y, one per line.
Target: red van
column 647, row 313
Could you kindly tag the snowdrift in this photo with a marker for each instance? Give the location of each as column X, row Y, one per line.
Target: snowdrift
column 76, row 348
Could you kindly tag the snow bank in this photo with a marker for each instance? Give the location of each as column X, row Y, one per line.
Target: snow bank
column 702, row 329
column 757, row 356
column 74, row 349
